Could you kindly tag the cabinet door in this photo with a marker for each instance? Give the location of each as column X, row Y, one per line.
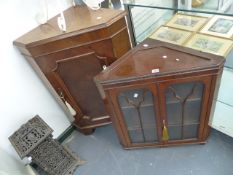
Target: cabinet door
column 184, row 106
column 138, row 114
column 77, row 74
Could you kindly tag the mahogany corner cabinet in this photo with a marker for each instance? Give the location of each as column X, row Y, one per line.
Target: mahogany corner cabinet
column 68, row 61
column 160, row 94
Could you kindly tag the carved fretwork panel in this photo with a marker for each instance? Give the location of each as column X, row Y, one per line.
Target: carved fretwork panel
column 34, row 139
column 29, row 136
column 54, row 158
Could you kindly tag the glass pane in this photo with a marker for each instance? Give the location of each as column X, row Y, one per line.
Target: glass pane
column 192, row 112
column 203, row 6
column 150, row 134
column 159, row 20
column 130, row 121
column 175, row 132
column 173, row 113
column 191, row 131
column 183, row 105
column 137, row 107
column 147, row 20
column 136, row 136
column 183, row 90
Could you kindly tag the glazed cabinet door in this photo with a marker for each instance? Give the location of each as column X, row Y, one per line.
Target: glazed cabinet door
column 137, row 110
column 184, row 105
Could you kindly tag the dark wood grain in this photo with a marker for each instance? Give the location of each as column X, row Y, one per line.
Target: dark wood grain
column 140, row 61
column 69, row 60
column 177, row 65
column 79, row 20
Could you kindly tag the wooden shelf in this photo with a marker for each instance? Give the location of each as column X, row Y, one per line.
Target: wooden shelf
column 170, row 102
column 137, row 127
column 189, row 100
column 143, row 105
column 186, row 124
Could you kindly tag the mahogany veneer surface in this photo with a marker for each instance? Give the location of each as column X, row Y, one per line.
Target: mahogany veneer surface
column 159, row 86
column 68, row 61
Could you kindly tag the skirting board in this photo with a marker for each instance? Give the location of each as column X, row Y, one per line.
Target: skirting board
column 66, row 133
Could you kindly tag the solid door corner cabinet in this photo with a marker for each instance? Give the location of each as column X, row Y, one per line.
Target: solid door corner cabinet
column 160, row 94
column 68, row 61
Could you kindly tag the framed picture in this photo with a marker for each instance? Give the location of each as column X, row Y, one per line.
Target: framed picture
column 171, row 35
column 211, row 44
column 187, row 22
column 219, row 26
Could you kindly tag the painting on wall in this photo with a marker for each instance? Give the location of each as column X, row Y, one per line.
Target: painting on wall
column 187, row 22
column 171, row 35
column 214, row 45
column 219, row 26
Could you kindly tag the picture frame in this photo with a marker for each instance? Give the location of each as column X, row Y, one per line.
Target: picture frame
column 171, row 35
column 187, row 22
column 210, row 44
column 221, row 26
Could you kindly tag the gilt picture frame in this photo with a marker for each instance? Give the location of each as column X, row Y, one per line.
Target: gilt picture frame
column 221, row 26
column 187, row 22
column 210, row 44
column 171, row 35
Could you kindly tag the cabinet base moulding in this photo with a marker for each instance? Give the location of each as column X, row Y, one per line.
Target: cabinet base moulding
column 165, row 145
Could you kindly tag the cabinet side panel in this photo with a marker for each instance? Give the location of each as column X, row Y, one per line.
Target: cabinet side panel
column 121, row 43
column 218, row 82
column 117, row 26
column 211, row 105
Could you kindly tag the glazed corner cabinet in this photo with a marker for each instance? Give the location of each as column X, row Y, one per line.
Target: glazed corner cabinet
column 68, row 61
column 160, row 94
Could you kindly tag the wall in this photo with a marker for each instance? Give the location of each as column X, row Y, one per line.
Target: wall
column 13, row 166
column 22, row 94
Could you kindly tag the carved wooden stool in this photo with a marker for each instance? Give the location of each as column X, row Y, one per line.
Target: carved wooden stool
column 34, row 139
